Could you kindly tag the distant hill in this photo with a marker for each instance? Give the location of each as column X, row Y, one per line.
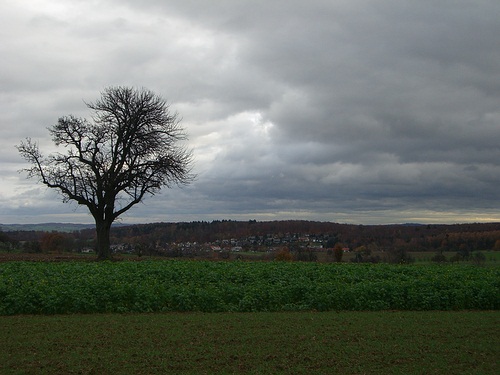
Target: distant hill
column 45, row 227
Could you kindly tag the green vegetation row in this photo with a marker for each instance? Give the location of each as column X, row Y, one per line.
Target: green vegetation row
column 154, row 286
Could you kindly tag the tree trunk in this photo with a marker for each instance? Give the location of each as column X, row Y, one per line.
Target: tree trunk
column 103, row 230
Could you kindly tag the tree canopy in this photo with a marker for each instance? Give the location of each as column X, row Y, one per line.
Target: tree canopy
column 131, row 148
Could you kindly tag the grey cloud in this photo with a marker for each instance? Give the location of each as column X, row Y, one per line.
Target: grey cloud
column 347, row 110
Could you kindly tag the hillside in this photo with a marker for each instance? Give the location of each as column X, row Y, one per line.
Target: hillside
column 45, row 227
column 253, row 235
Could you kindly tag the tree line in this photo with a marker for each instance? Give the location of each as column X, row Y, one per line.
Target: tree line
column 461, row 238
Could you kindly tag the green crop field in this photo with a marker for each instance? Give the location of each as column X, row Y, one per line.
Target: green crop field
column 161, row 286
column 242, row 317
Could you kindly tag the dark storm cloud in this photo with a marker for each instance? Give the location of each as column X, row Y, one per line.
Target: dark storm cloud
column 362, row 111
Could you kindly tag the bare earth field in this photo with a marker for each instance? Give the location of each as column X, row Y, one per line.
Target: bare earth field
column 65, row 257
column 384, row 342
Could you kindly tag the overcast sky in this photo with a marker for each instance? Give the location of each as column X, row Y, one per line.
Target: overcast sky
column 353, row 111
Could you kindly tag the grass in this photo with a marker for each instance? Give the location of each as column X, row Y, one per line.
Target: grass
column 492, row 257
column 431, row 342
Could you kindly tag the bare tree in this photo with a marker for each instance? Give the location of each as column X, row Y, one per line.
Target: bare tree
column 130, row 149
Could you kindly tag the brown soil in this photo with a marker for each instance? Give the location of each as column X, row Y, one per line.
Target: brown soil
column 11, row 257
column 67, row 257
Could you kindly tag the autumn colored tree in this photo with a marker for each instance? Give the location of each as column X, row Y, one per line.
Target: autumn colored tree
column 496, row 247
column 54, row 242
column 338, row 252
column 284, row 255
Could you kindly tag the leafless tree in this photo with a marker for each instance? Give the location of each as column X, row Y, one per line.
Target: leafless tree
column 130, row 149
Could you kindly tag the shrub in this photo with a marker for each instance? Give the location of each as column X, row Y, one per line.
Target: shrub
column 305, row 255
column 283, row 255
column 399, row 256
column 439, row 258
column 478, row 257
column 338, row 252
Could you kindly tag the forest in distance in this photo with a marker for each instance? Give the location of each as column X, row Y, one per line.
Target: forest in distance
column 304, row 237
